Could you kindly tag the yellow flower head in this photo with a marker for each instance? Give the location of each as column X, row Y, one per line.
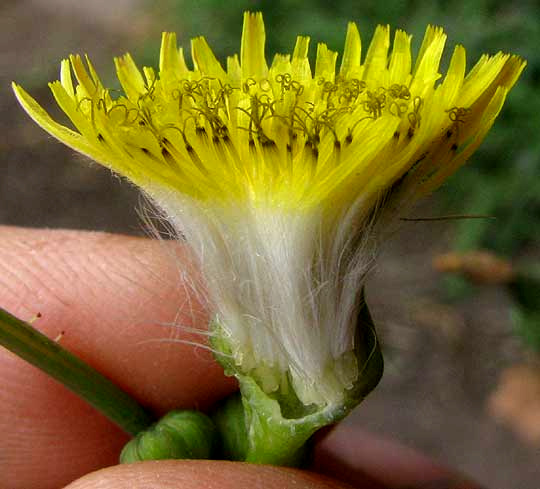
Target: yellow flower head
column 284, row 135
column 274, row 173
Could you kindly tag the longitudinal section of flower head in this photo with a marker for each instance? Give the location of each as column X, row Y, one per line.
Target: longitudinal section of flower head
column 278, row 174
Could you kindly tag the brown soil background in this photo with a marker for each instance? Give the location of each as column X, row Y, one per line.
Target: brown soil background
column 442, row 361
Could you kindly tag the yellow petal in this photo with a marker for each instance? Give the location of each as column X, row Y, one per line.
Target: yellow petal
column 488, row 118
column 67, row 136
column 171, row 59
column 65, row 77
column 399, row 69
column 85, row 82
column 93, row 74
column 352, row 50
column 130, row 77
column 234, row 70
column 377, row 55
column 252, row 56
column 300, row 68
column 433, row 35
column 74, row 110
column 205, row 60
column 426, row 70
column 325, row 64
column 453, row 81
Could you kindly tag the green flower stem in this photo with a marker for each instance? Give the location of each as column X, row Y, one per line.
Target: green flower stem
column 34, row 347
column 254, row 430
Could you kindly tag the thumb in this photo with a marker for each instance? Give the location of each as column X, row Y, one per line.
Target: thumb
column 202, row 474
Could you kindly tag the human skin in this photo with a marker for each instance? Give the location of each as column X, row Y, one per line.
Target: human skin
column 113, row 301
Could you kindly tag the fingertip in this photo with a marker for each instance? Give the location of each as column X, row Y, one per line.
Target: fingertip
column 202, row 474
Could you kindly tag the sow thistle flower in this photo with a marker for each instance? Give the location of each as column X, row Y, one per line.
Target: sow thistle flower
column 282, row 179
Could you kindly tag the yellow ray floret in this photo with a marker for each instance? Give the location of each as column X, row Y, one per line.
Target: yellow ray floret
column 283, row 135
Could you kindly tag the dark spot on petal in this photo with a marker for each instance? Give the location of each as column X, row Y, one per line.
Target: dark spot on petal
column 396, row 135
column 268, row 143
column 454, row 147
column 314, row 149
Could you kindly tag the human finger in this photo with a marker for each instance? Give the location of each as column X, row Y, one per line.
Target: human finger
column 116, row 302
column 354, row 455
column 202, row 474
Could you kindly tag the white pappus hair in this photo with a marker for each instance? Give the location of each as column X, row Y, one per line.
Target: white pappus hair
column 284, row 286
